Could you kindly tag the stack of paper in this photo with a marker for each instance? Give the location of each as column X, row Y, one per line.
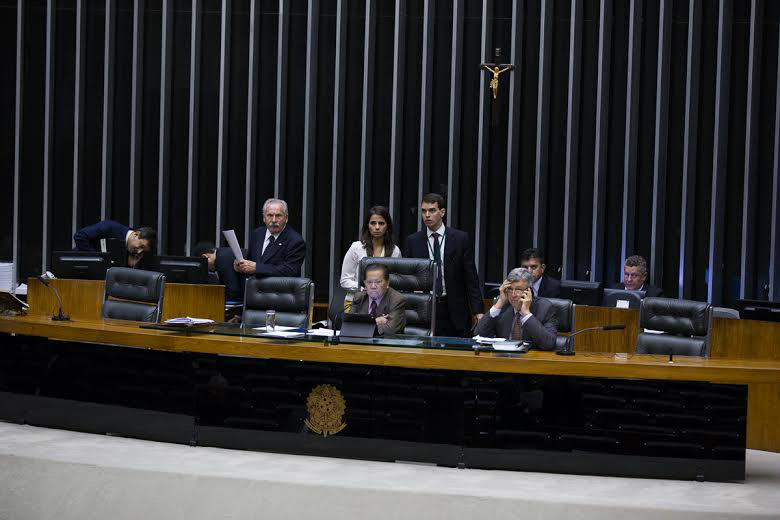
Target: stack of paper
column 6, row 276
column 188, row 322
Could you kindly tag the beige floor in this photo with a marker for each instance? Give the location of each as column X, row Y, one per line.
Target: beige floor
column 54, row 474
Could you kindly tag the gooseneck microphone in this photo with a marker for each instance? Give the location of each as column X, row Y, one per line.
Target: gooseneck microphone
column 55, row 317
column 569, row 349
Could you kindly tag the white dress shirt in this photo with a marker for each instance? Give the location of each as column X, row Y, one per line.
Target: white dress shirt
column 494, row 312
column 349, row 266
column 440, row 231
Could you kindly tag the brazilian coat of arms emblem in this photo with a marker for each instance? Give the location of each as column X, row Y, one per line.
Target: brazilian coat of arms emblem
column 326, row 407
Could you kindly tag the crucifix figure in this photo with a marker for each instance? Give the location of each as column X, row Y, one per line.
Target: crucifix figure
column 496, row 69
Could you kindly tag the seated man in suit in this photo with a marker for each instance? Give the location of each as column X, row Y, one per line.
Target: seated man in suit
column 544, row 286
column 635, row 277
column 275, row 249
column 381, row 301
column 137, row 240
column 525, row 318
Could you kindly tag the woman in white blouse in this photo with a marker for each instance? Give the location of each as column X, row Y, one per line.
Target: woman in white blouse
column 376, row 239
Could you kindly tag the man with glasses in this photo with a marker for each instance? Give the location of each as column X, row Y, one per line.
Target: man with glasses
column 635, row 277
column 381, row 301
column 518, row 315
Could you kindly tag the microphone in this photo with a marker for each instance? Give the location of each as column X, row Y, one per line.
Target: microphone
column 569, row 349
column 60, row 316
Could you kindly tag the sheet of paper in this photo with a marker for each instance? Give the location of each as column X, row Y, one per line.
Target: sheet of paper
column 510, row 346
column 622, row 304
column 232, row 241
column 482, row 339
column 323, row 332
column 283, row 334
column 278, row 328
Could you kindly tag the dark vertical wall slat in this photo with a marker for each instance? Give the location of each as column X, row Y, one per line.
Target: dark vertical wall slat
column 601, row 140
column 657, row 227
column 631, row 129
column 250, row 185
column 572, row 141
column 483, row 140
column 719, row 153
column 48, row 133
column 136, row 111
column 774, row 251
column 543, row 126
column 690, row 140
column 426, row 85
column 194, row 128
column 397, row 122
column 224, row 109
column 108, row 111
column 166, row 66
column 310, row 132
column 367, row 123
column 513, row 158
column 281, row 97
column 456, row 81
column 78, row 115
column 18, row 131
column 749, row 202
column 339, row 72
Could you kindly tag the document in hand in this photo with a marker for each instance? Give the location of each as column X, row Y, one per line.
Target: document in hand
column 230, row 236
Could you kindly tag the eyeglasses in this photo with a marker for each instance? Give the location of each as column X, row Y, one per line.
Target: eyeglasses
column 516, row 290
column 374, row 283
column 632, row 275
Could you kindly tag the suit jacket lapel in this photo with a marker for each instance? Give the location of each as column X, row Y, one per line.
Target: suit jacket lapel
column 274, row 248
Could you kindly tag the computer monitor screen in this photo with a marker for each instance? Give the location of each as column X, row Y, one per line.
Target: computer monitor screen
column 758, row 310
column 183, row 269
column 85, row 265
column 622, row 298
column 582, row 293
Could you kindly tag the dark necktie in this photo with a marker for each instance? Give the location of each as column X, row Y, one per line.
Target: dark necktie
column 267, row 251
column 372, row 310
column 437, row 260
column 517, row 328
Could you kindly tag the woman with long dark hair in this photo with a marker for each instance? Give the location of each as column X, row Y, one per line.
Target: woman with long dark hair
column 376, row 239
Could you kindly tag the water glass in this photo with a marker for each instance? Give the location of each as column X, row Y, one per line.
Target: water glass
column 270, row 321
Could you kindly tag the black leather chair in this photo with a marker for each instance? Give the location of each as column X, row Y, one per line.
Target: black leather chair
column 336, row 306
column 414, row 278
column 684, row 324
column 133, row 294
column 291, row 298
column 566, row 309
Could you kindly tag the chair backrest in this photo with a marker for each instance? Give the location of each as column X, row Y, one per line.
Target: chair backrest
column 415, row 279
column 684, row 327
column 725, row 312
column 565, row 313
column 133, row 294
column 336, row 305
column 290, row 298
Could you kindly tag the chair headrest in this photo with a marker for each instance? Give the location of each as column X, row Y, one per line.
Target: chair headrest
column 565, row 313
column 281, row 294
column 134, row 284
column 406, row 274
column 682, row 317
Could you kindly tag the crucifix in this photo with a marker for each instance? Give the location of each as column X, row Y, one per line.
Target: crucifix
column 496, row 69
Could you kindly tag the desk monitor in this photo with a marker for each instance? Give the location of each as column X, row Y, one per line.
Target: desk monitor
column 758, row 310
column 581, row 293
column 183, row 269
column 84, row 265
column 358, row 326
column 622, row 298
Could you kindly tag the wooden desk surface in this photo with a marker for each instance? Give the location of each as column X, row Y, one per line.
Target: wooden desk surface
column 761, row 376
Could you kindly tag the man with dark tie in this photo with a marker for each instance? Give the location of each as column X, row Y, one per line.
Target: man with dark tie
column 136, row 241
column 533, row 260
column 635, row 277
column 525, row 318
column 458, row 294
column 275, row 249
column 380, row 301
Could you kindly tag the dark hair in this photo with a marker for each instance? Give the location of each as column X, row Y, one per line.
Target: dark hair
column 435, row 198
column 378, row 267
column 637, row 261
column 530, row 253
column 148, row 234
column 365, row 234
column 202, row 248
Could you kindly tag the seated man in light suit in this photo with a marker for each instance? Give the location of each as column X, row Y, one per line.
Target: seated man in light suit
column 381, row 301
column 525, row 318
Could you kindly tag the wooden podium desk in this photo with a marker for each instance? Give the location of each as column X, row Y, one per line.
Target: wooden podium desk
column 761, row 376
column 82, row 299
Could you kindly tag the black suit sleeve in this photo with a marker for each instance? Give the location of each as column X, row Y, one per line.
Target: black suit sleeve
column 487, row 326
column 84, row 236
column 289, row 266
column 543, row 332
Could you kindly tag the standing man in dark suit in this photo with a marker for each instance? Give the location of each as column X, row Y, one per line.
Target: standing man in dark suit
column 275, row 249
column 137, row 241
column 458, row 294
column 525, row 318
column 533, row 260
column 381, row 301
column 635, row 277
